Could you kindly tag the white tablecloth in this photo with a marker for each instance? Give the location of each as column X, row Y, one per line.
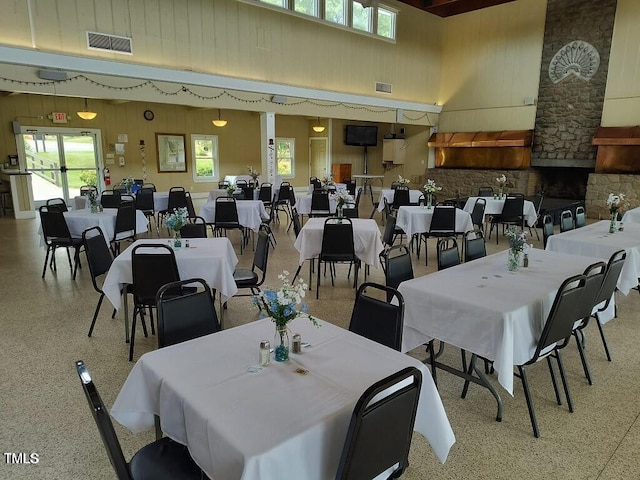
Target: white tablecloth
column 414, row 196
column 79, row 220
column 160, row 201
column 418, row 220
column 482, row 307
column 232, row 179
column 303, row 204
column 595, row 241
column 250, row 213
column 213, row 194
column 494, row 207
column 212, row 259
column 366, row 240
column 632, row 216
column 274, row 424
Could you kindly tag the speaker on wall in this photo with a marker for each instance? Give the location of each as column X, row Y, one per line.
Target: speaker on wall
column 16, row 126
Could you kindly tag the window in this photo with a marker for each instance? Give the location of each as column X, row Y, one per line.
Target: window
column 335, row 11
column 362, row 17
column 285, row 156
column 376, row 20
column 386, row 23
column 204, row 151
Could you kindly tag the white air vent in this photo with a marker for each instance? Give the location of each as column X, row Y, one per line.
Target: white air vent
column 383, row 87
column 111, row 43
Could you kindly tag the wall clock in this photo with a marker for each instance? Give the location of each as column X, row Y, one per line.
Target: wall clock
column 148, row 115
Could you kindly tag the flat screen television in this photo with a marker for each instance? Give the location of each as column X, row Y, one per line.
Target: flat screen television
column 361, row 135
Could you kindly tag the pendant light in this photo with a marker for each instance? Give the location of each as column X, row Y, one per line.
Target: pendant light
column 318, row 127
column 219, row 122
column 87, row 114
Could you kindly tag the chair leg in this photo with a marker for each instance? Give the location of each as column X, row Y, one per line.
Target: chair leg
column 527, row 396
column 153, row 328
column 583, row 358
column 604, row 340
column 133, row 332
column 296, row 274
column 554, row 381
column 318, row 281
column 563, row 377
column 95, row 314
column 46, row 259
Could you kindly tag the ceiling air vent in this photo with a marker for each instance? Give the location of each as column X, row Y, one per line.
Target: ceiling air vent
column 383, row 87
column 110, row 43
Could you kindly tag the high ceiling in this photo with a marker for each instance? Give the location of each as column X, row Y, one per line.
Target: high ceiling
column 448, row 8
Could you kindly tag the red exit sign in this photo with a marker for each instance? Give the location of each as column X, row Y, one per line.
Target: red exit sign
column 59, row 117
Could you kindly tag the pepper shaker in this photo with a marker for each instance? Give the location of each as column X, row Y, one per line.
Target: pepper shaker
column 297, row 343
column 265, row 353
column 525, row 261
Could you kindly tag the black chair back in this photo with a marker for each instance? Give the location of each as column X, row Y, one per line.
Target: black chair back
column 394, row 185
column 379, row 320
column 477, row 215
column 86, row 189
column 397, row 265
column 547, row 228
column 223, row 185
column 145, row 201
column 98, row 254
column 125, row 221
column 186, row 316
column 337, row 241
column 562, row 316
column 196, row 228
column 448, row 253
column 351, row 186
column 247, row 191
column 380, row 432
column 58, row 203
column 389, row 231
column 485, row 192
column 581, row 217
column 284, row 192
column 261, row 255
column 153, row 265
column 266, row 194
column 103, row 421
column 54, row 225
column 295, row 218
column 177, row 198
column 594, row 276
column 474, row 246
column 566, row 221
column 512, row 211
column 317, row 184
column 241, row 183
column 149, row 185
column 320, row 203
column 400, row 197
column 226, row 215
column 614, row 269
column 443, row 221
column 110, row 199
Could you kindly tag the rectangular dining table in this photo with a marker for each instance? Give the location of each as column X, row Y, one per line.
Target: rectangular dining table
column 212, row 259
column 594, row 240
column 287, row 420
column 417, row 219
column 366, row 240
column 250, row 213
column 481, row 307
column 79, row 220
column 494, row 206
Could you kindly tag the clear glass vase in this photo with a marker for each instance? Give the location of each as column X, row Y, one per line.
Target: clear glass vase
column 513, row 260
column 281, row 344
column 177, row 239
column 429, row 198
column 612, row 226
column 95, row 208
column 340, row 212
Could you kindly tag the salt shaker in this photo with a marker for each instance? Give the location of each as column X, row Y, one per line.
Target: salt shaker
column 525, row 261
column 297, row 343
column 186, row 243
column 265, row 353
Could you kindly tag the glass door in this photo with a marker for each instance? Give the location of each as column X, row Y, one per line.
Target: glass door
column 60, row 163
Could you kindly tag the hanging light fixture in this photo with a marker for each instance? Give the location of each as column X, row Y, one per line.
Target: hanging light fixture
column 318, row 127
column 87, row 114
column 219, row 122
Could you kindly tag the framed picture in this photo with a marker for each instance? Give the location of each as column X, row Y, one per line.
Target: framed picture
column 171, row 152
column 13, row 160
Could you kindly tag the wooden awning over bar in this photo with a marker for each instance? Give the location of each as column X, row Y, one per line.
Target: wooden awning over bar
column 506, row 138
column 618, row 149
column 502, row 149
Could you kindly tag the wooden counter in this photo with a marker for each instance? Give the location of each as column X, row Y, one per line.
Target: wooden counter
column 21, row 193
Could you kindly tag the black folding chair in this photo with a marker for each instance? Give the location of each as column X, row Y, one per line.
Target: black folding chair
column 443, row 224
column 110, row 198
column 146, row 204
column 381, row 428
column 226, row 218
column 477, row 215
column 378, row 320
column 337, row 247
column 249, row 278
column 566, row 221
column 512, row 214
column 125, row 228
column 58, row 203
column 581, row 217
column 448, row 253
column 195, row 228
column 55, row 233
column 485, row 192
column 397, row 265
column 163, row 459
column 547, row 228
column 185, row 316
column 320, row 204
column 474, row 246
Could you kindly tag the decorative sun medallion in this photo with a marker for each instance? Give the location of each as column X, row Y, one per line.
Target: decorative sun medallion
column 575, row 58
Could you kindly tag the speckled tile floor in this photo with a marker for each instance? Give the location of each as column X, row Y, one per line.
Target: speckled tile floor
column 44, row 327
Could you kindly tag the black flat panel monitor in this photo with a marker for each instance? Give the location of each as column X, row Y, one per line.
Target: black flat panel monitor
column 361, row 135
